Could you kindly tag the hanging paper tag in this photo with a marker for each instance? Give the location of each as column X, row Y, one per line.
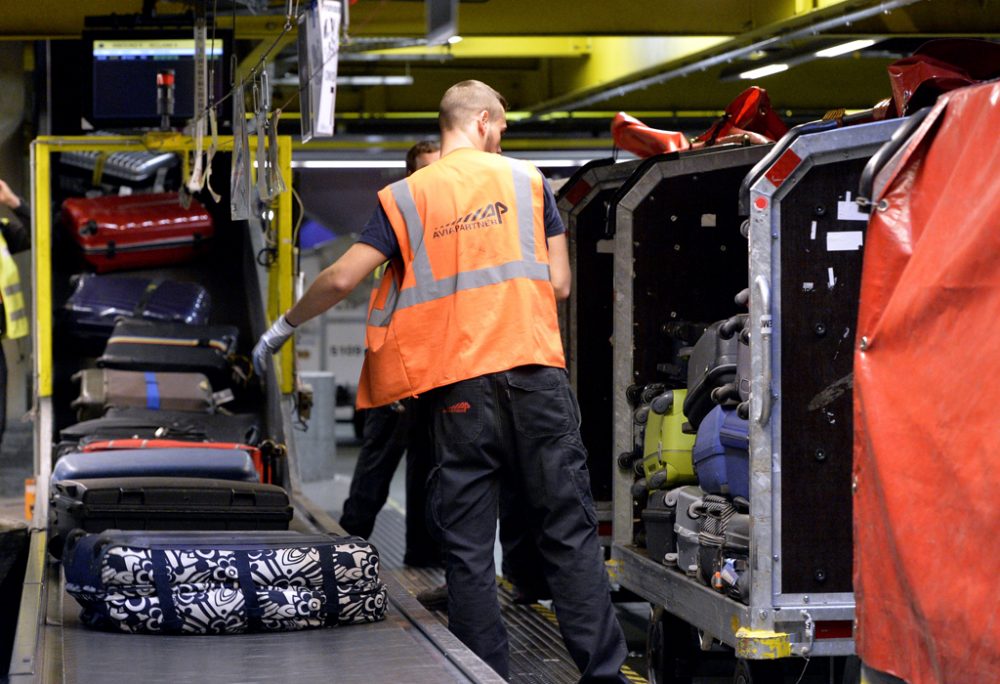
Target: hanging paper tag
column 239, row 173
column 275, row 183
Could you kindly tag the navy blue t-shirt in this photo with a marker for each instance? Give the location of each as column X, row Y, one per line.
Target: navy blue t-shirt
column 378, row 231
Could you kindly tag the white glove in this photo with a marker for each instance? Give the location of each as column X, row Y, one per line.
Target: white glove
column 270, row 342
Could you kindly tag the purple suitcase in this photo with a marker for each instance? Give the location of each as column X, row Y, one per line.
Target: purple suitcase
column 99, row 301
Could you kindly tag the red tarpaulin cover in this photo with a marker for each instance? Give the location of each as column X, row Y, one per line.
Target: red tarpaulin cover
column 927, row 402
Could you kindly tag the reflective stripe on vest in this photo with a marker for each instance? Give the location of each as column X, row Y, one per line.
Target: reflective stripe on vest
column 427, row 288
column 15, row 312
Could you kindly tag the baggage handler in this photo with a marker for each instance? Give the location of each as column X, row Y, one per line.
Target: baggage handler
column 390, row 431
column 15, row 236
column 465, row 316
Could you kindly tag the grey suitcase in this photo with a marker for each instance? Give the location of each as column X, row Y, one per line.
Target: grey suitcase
column 687, row 501
column 104, row 388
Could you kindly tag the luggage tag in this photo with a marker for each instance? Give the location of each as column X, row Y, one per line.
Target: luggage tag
column 197, row 180
column 239, row 172
column 275, row 183
column 214, row 127
column 261, row 105
column 223, row 397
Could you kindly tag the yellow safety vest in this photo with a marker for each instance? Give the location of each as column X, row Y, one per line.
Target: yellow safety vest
column 15, row 313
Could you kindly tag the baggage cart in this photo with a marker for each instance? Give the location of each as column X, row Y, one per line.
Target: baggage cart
column 806, row 238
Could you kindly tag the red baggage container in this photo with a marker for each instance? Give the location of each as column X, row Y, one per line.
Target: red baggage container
column 137, row 231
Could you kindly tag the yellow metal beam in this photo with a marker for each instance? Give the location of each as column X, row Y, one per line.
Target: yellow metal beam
column 266, row 48
column 501, row 47
column 41, row 285
column 616, row 60
column 284, row 269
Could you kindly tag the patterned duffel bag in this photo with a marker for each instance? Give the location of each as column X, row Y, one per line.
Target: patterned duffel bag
column 222, row 582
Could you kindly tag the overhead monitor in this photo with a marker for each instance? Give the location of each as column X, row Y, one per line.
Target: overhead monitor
column 124, row 67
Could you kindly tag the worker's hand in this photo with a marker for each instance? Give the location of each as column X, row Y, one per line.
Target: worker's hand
column 270, row 342
column 7, row 196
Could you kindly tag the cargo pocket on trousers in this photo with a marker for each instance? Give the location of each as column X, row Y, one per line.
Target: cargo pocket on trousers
column 540, row 397
column 458, row 412
column 581, row 480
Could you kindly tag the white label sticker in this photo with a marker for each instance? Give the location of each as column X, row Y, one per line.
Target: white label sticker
column 831, row 281
column 812, row 231
column 708, row 220
column 223, row 397
column 605, row 246
column 847, row 210
column 808, row 287
column 844, row 240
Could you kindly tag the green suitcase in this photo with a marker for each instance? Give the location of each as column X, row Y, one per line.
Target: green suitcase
column 666, row 448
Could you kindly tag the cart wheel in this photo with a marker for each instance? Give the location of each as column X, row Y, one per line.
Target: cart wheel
column 672, row 650
column 758, row 672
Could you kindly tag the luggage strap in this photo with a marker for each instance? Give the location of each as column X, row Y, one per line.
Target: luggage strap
column 249, row 589
column 329, row 584
column 219, row 345
column 161, row 580
column 152, row 391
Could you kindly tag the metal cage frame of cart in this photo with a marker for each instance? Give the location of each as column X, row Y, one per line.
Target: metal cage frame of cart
column 575, row 197
column 775, row 624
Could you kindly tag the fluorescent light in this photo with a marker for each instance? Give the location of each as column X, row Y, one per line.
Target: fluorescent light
column 375, row 80
column 844, row 48
column 454, row 40
column 392, row 164
column 347, row 164
column 766, row 70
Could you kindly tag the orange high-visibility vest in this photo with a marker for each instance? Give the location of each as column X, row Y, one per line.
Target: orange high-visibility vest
column 471, row 294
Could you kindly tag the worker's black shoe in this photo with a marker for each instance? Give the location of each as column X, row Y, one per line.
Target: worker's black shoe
column 434, row 599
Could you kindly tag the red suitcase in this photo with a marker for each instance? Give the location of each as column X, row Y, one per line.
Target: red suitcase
column 137, row 231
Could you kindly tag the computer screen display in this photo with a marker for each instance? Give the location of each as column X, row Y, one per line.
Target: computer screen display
column 123, row 85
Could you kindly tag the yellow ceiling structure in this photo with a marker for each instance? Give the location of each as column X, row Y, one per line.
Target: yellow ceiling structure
column 577, row 59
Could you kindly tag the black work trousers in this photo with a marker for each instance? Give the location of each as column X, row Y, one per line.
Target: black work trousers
column 389, row 433
column 520, row 428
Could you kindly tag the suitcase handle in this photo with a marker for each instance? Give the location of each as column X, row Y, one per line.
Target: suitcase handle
column 866, row 187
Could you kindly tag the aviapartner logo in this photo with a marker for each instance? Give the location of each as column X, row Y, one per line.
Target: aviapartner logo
column 485, row 216
column 460, row 407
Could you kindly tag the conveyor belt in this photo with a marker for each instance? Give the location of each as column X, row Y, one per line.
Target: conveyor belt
column 537, row 654
column 409, row 645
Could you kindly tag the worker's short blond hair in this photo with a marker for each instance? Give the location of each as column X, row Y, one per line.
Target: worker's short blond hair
column 467, row 99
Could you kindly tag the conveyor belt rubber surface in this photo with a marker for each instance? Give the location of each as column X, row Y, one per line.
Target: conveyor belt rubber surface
column 537, row 654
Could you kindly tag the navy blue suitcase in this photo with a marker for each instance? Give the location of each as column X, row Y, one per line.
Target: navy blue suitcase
column 172, row 348
column 721, row 453
column 163, row 503
column 98, row 302
column 193, row 462
column 222, row 583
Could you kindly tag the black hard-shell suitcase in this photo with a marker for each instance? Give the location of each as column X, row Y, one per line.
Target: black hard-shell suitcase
column 712, row 365
column 211, row 583
column 172, row 348
column 659, row 517
column 164, row 503
column 119, row 423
